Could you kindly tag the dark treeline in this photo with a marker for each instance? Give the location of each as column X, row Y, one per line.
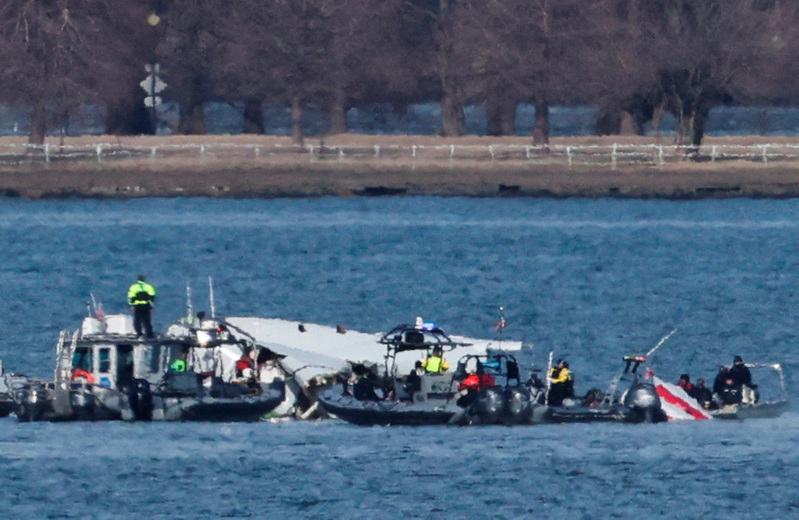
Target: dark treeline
column 635, row 59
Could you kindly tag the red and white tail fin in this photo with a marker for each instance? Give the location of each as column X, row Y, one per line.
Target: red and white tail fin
column 678, row 405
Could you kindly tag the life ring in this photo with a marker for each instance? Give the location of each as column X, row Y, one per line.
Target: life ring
column 80, row 374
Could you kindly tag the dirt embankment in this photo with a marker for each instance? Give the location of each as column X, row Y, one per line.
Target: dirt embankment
column 379, row 165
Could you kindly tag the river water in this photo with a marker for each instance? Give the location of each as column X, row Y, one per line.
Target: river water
column 591, row 280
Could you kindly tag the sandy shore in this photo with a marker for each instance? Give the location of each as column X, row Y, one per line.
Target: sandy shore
column 297, row 175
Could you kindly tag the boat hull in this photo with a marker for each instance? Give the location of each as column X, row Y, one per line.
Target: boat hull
column 388, row 413
column 615, row 414
column 93, row 403
column 757, row 411
column 211, row 409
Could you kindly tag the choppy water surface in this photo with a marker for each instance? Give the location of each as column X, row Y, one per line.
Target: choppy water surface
column 591, row 280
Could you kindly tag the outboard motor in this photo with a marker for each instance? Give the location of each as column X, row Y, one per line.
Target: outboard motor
column 490, row 405
column 518, row 405
column 140, row 398
column 643, row 400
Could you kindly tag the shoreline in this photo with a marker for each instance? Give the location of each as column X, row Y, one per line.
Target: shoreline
column 236, row 174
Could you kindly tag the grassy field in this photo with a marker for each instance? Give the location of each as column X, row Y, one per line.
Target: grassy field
column 348, row 164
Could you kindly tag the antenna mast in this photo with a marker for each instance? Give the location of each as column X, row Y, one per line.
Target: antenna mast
column 189, row 306
column 211, row 296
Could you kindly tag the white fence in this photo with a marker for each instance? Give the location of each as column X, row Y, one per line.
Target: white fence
column 610, row 155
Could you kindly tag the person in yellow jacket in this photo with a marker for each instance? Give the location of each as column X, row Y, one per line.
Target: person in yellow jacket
column 561, row 384
column 435, row 363
column 141, row 296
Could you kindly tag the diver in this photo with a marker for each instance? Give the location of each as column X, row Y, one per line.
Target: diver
column 739, row 373
column 718, row 382
column 364, row 389
column 730, row 392
column 685, row 383
column 703, row 395
column 742, row 377
column 413, row 381
column 435, row 363
column 141, row 296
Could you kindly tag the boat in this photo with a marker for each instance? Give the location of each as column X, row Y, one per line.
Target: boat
column 631, row 397
column 754, row 404
column 369, row 398
column 6, row 403
column 104, row 371
column 312, row 356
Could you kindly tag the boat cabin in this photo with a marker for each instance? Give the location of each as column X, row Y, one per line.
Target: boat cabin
column 108, row 354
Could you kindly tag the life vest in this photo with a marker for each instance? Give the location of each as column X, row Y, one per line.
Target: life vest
column 141, row 293
column 435, row 365
column 476, row 382
column 560, row 377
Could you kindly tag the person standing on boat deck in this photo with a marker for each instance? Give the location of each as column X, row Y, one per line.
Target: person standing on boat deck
column 435, row 363
column 141, row 296
column 739, row 373
column 559, row 379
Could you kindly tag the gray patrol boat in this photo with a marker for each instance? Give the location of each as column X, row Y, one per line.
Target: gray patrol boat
column 105, row 372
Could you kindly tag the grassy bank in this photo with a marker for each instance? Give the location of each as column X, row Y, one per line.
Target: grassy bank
column 269, row 166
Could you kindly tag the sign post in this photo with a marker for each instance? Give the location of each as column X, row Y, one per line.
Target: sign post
column 152, row 84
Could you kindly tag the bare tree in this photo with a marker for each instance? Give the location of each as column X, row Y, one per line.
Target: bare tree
column 192, row 50
column 526, row 48
column 699, row 51
column 58, row 54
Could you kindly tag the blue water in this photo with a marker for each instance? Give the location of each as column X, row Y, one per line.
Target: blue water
column 590, row 279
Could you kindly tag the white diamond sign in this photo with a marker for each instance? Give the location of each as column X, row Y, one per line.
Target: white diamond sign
column 152, row 101
column 153, row 85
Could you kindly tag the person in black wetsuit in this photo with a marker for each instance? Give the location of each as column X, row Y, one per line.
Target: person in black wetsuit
column 413, row 381
column 740, row 373
column 730, row 392
column 703, row 394
column 718, row 383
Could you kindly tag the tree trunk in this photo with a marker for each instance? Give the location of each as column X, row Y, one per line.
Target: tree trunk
column 657, row 116
column 700, row 118
column 629, row 124
column 338, row 112
column 297, row 136
column 127, row 115
column 38, row 129
column 685, row 122
column 541, row 126
column 253, row 116
column 192, row 119
column 608, row 122
column 452, row 118
column 501, row 115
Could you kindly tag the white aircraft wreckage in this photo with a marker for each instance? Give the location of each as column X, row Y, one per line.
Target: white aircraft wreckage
column 310, row 356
